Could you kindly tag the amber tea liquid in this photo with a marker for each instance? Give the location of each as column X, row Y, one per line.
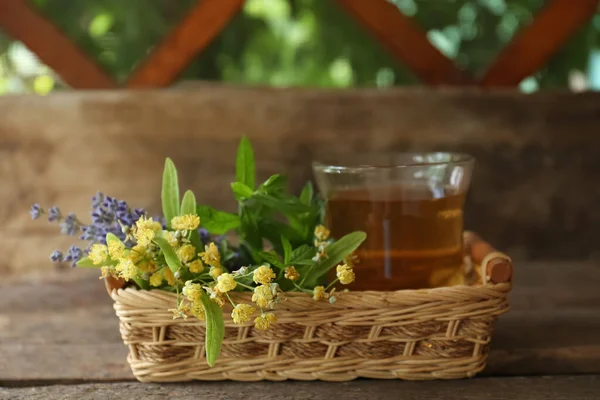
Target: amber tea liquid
column 414, row 237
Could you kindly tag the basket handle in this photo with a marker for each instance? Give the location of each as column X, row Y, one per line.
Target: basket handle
column 496, row 267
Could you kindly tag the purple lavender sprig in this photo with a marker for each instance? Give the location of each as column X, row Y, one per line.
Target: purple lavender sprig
column 108, row 215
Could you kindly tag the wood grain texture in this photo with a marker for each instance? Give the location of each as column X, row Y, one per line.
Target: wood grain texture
column 56, row 50
column 61, row 327
column 525, row 388
column 534, row 192
column 535, row 44
column 189, row 38
column 405, row 40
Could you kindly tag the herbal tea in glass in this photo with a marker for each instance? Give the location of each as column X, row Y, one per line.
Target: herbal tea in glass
column 410, row 206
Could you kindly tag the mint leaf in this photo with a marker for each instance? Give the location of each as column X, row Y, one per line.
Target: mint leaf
column 335, row 254
column 170, row 192
column 85, row 262
column 188, row 204
column 307, row 194
column 241, row 191
column 170, row 256
column 275, row 184
column 272, row 258
column 284, row 204
column 217, row 222
column 244, row 167
column 287, row 250
column 215, row 329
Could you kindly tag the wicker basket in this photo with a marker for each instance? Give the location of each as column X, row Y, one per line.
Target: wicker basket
column 441, row 333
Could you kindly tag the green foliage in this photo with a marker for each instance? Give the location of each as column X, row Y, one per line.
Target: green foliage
column 170, row 257
column 170, row 192
column 188, row 203
column 215, row 329
column 244, row 166
column 335, row 254
column 217, row 222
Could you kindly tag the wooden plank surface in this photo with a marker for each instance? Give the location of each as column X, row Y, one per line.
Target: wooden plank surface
column 190, row 37
column 535, row 44
column 534, row 192
column 55, row 49
column 60, row 327
column 522, row 388
column 405, row 40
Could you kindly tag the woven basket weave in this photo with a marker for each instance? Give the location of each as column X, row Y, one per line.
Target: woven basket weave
column 441, row 333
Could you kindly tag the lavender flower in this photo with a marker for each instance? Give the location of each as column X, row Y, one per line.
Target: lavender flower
column 56, row 256
column 54, row 214
column 97, row 200
column 36, row 211
column 73, row 255
column 70, row 226
column 204, row 236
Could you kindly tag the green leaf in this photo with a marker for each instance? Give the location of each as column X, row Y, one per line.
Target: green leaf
column 307, row 194
column 215, row 329
column 170, row 256
column 335, row 253
column 244, row 167
column 86, row 262
column 287, row 250
column 284, row 204
column 303, row 255
column 170, row 192
column 188, row 204
column 111, row 237
column 272, row 258
column 275, row 184
column 217, row 222
column 241, row 191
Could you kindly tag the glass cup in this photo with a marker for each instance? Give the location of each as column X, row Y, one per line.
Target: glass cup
column 411, row 207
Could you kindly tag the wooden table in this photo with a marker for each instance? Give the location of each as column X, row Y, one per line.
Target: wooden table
column 59, row 338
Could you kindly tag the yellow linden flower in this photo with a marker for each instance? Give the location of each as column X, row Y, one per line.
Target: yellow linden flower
column 242, row 313
column 156, row 279
column 126, row 269
column 106, row 272
column 215, row 272
column 197, row 310
column 144, row 236
column 351, row 259
column 321, row 233
column 186, row 253
column 171, row 238
column 263, row 275
column 147, row 223
column 226, row 283
column 144, row 266
column 182, row 311
column 263, row 322
column 263, row 296
column 116, row 249
column 291, row 273
column 345, row 274
column 192, row 291
column 196, row 266
column 98, row 253
column 137, row 253
column 211, row 255
column 319, row 293
column 186, row 222
column 169, row 277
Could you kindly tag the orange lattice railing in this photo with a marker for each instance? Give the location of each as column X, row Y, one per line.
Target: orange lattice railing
column 531, row 48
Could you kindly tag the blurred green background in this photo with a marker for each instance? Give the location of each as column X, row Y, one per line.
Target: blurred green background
column 296, row 43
